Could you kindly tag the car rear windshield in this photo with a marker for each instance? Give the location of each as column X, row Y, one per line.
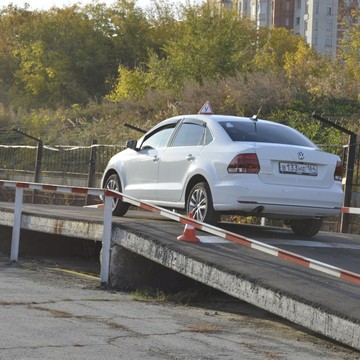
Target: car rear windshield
column 264, row 132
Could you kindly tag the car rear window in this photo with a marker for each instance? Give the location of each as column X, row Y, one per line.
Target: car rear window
column 264, row 132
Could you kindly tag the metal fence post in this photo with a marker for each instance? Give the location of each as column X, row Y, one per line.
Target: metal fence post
column 344, row 226
column 350, row 164
column 38, row 165
column 92, row 170
column 17, row 224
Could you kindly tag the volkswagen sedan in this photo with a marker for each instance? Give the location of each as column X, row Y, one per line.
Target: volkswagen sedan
column 216, row 164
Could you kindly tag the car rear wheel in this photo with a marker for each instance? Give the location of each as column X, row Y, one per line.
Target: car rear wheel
column 119, row 207
column 307, row 227
column 199, row 202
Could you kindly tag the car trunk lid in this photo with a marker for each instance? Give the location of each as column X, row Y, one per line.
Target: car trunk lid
column 294, row 165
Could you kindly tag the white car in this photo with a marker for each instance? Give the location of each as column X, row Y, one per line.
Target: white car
column 215, row 164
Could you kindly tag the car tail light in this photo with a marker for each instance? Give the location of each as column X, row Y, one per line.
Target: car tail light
column 244, row 164
column 338, row 175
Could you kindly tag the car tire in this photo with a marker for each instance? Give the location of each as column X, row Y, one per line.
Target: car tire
column 307, row 227
column 199, row 202
column 119, row 207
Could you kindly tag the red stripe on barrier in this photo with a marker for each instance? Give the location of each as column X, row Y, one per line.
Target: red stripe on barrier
column 189, row 221
column 111, row 193
column 79, row 190
column 22, row 185
column 294, row 258
column 193, row 224
column 108, row 193
column 150, row 208
column 49, row 187
column 345, row 210
column 238, row 240
column 351, row 277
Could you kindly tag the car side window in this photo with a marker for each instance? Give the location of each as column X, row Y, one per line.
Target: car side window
column 189, row 134
column 208, row 136
column 159, row 138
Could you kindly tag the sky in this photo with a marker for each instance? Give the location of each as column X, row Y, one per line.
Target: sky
column 46, row 4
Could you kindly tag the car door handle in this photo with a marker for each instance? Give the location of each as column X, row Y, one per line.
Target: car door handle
column 156, row 158
column 190, row 157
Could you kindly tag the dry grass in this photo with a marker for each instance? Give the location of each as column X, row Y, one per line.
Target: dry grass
column 149, row 295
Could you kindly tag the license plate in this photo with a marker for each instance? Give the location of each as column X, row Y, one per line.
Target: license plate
column 298, row 169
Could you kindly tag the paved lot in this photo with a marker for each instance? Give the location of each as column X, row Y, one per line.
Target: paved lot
column 47, row 313
column 318, row 301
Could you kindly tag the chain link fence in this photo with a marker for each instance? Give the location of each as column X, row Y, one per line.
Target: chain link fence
column 59, row 165
column 71, row 162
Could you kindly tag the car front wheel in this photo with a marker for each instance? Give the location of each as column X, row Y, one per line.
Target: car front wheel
column 199, row 202
column 119, row 207
column 307, row 227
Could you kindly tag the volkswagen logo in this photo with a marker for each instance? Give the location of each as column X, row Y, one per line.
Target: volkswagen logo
column 301, row 155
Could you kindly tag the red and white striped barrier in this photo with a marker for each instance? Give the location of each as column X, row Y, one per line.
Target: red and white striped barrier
column 350, row 210
column 109, row 194
column 55, row 188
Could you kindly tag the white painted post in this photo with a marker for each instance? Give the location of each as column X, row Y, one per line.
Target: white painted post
column 263, row 221
column 14, row 255
column 105, row 252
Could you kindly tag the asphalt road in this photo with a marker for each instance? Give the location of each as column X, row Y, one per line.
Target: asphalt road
column 47, row 313
column 334, row 249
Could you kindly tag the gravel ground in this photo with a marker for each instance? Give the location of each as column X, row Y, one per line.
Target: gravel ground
column 56, row 309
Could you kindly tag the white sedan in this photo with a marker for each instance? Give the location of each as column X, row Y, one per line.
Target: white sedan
column 215, row 164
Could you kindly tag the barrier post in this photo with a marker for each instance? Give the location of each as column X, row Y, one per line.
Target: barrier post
column 14, row 255
column 105, row 252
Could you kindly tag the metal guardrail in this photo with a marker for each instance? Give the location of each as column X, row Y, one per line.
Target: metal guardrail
column 188, row 221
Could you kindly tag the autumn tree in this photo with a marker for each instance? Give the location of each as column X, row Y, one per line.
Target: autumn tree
column 206, row 46
column 212, row 45
column 349, row 51
column 127, row 26
column 13, row 20
column 62, row 59
column 273, row 46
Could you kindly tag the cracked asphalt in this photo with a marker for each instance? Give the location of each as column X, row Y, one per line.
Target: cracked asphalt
column 48, row 313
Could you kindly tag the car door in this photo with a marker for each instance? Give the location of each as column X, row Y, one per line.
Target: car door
column 142, row 169
column 178, row 158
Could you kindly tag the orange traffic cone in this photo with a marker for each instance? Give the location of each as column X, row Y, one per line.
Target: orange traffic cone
column 189, row 233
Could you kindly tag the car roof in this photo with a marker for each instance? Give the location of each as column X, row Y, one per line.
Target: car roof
column 218, row 118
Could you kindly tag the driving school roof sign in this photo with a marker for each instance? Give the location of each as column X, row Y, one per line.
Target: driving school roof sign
column 206, row 109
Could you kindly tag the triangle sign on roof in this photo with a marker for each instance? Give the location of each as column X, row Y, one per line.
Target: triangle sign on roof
column 206, row 109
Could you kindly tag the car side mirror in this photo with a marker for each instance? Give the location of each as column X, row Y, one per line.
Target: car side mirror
column 131, row 144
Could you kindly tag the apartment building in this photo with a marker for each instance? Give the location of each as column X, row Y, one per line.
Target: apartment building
column 264, row 12
column 317, row 21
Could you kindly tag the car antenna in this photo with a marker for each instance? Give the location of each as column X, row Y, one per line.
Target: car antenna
column 135, row 128
column 254, row 118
